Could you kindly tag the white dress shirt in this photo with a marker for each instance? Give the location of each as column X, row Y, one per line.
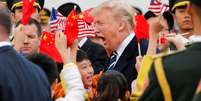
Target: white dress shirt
column 195, row 38
column 124, row 44
column 82, row 42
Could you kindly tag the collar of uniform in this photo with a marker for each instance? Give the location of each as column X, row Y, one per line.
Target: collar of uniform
column 82, row 41
column 124, row 44
column 195, row 38
column 5, row 43
column 184, row 40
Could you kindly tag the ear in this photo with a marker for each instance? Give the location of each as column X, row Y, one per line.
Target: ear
column 13, row 17
column 122, row 25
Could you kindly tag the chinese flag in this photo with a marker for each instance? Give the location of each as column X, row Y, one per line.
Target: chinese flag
column 27, row 10
column 47, row 46
column 142, row 28
column 71, row 30
column 87, row 16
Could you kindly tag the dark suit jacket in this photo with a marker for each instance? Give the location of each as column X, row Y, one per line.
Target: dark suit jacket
column 20, row 80
column 127, row 60
column 97, row 55
column 183, row 72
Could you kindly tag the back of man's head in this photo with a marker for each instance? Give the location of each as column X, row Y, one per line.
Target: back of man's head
column 47, row 64
column 5, row 22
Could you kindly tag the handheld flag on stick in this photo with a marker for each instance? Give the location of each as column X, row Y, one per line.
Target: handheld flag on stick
column 71, row 29
column 47, row 46
column 157, row 7
column 27, row 10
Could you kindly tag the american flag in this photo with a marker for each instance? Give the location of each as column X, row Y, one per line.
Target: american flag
column 157, row 7
column 85, row 30
column 58, row 22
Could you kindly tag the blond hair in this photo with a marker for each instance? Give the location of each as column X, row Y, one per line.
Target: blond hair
column 119, row 8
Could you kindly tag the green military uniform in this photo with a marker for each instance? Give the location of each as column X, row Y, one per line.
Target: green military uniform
column 183, row 74
column 13, row 4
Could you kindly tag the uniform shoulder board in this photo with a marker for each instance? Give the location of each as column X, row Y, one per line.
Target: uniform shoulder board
column 167, row 54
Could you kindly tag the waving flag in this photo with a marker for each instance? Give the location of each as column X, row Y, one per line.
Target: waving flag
column 27, row 10
column 71, row 28
column 85, row 30
column 157, row 7
column 57, row 21
column 47, row 46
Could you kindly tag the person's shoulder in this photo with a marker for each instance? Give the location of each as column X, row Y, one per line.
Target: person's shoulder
column 169, row 54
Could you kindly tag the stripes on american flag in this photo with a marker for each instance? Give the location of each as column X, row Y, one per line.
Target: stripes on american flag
column 157, row 7
column 58, row 22
column 84, row 30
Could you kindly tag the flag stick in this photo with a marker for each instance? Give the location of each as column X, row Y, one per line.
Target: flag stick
column 139, row 49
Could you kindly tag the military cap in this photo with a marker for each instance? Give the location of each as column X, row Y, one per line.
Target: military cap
column 177, row 3
column 66, row 8
column 44, row 16
column 196, row 2
column 12, row 4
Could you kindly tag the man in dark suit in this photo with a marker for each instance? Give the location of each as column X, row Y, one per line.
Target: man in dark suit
column 114, row 20
column 182, row 71
column 20, row 80
column 96, row 53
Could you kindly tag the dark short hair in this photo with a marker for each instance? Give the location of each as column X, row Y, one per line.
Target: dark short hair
column 111, row 86
column 167, row 15
column 149, row 14
column 35, row 22
column 5, row 20
column 47, row 64
column 81, row 55
column 139, row 11
column 66, row 8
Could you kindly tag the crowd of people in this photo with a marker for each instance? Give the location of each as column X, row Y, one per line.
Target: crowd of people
column 132, row 57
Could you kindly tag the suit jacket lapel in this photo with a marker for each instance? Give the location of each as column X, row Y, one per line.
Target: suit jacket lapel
column 130, row 51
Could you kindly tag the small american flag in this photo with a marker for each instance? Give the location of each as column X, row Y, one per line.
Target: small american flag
column 58, row 22
column 85, row 30
column 157, row 7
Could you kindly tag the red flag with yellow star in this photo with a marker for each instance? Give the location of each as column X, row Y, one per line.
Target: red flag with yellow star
column 47, row 46
column 71, row 29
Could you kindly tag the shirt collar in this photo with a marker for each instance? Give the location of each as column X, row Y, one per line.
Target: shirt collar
column 195, row 38
column 5, row 43
column 124, row 44
column 82, row 41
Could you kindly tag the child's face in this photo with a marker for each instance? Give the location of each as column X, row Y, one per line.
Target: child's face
column 86, row 72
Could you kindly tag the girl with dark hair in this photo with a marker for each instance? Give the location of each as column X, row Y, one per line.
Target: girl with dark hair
column 112, row 86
